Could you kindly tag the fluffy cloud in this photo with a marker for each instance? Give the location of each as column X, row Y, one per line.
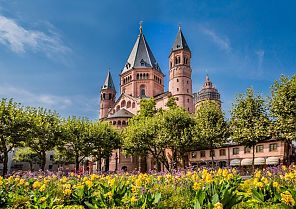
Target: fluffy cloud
column 20, row 39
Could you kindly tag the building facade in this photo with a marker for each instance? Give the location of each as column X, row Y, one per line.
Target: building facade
column 141, row 77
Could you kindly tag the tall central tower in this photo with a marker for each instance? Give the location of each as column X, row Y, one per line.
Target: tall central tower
column 141, row 75
column 180, row 84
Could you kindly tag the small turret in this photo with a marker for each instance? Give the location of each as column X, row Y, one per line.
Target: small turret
column 108, row 94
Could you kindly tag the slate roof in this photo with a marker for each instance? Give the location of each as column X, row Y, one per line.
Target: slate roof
column 141, row 56
column 122, row 113
column 108, row 84
column 180, row 42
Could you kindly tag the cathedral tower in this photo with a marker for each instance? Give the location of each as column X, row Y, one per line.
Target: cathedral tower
column 108, row 93
column 208, row 93
column 141, row 75
column 180, row 84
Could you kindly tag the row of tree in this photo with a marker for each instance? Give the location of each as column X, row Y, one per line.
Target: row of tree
column 35, row 131
column 168, row 135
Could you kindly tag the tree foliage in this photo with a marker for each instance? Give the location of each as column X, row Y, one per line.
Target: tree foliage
column 283, row 107
column 26, row 154
column 249, row 120
column 211, row 129
column 13, row 128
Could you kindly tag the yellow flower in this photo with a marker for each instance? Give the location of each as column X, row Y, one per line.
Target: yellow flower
column 196, row 186
column 225, row 173
column 42, row 188
column 275, row 184
column 218, row 205
column 67, row 186
column 284, row 168
column 72, row 174
column 258, row 174
column 36, row 185
column 22, row 181
column 109, row 195
column 42, row 199
column 67, row 192
column 133, row 199
column 287, row 198
column 88, row 183
column 63, row 179
column 260, row 185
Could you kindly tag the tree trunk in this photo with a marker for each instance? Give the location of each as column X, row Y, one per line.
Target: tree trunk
column 253, row 163
column 5, row 163
column 158, row 164
column 31, row 166
column 99, row 165
column 77, row 164
column 212, row 155
column 139, row 163
column 174, row 160
column 43, row 160
column 107, row 164
column 288, row 152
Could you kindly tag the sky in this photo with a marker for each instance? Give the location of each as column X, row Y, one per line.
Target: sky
column 56, row 53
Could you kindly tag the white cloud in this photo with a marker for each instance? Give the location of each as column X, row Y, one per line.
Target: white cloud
column 20, row 39
column 221, row 42
column 30, row 98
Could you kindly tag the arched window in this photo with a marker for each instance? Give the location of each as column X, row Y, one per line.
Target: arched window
column 117, row 107
column 138, row 77
column 147, row 76
column 176, row 60
column 114, row 122
column 123, row 123
column 141, row 76
column 119, row 123
column 133, row 105
column 128, row 105
column 142, row 91
column 110, row 96
column 123, row 103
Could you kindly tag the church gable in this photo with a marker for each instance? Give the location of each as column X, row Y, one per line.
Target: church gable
column 127, row 102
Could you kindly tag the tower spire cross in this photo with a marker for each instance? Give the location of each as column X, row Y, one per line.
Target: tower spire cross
column 141, row 27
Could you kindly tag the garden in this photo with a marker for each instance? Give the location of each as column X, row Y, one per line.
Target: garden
column 202, row 188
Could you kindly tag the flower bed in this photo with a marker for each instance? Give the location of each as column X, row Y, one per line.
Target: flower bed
column 216, row 189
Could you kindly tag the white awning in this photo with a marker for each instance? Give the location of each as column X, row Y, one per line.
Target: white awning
column 235, row 162
column 273, row 161
column 259, row 161
column 246, row 162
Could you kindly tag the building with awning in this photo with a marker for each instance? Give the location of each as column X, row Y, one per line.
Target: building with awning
column 246, row 162
column 272, row 160
column 259, row 161
column 235, row 162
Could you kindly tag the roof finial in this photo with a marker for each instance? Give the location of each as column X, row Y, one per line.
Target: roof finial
column 180, row 26
column 141, row 27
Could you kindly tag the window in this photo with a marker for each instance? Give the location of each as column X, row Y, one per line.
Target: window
column 222, row 152
column 177, row 80
column 51, row 157
column 212, row 153
column 247, row 150
column 259, row 148
column 273, row 147
column 133, row 105
column 49, row 167
column 187, row 90
column 177, row 89
column 142, row 92
column 177, row 98
column 110, row 96
column 119, row 123
column 202, row 153
column 188, row 100
column 235, row 151
column 193, row 155
column 129, row 104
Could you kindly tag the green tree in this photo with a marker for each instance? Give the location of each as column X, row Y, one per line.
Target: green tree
column 171, row 103
column 283, row 108
column 211, row 129
column 45, row 132
column 26, row 154
column 176, row 132
column 13, row 128
column 103, row 138
column 249, row 120
column 142, row 138
column 76, row 145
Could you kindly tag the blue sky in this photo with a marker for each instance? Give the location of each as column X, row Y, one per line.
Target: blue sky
column 56, row 53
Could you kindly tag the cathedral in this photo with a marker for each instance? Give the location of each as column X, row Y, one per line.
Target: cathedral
column 141, row 77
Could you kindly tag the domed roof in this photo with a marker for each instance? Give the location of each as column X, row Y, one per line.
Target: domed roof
column 208, row 92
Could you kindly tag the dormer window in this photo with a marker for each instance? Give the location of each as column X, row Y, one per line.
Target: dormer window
column 142, row 62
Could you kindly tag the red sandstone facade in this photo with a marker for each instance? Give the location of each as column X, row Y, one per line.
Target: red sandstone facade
column 141, row 77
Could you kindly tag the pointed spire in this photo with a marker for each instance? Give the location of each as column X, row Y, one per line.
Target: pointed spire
column 180, row 42
column 208, row 83
column 108, row 84
column 141, row 55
